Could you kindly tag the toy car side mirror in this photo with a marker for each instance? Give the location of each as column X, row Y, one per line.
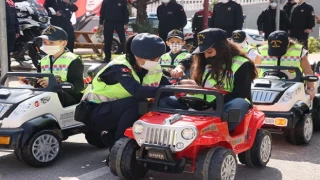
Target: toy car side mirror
column 143, row 107
column 232, row 116
column 310, row 78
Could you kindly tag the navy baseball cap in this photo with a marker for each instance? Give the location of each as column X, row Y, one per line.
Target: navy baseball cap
column 208, row 38
column 147, row 46
column 175, row 34
column 278, row 42
column 238, row 36
column 54, row 33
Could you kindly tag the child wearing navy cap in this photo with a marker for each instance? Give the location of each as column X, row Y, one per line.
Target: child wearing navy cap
column 62, row 63
column 177, row 56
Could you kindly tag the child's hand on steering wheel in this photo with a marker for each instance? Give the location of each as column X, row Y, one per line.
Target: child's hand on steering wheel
column 176, row 73
column 43, row 82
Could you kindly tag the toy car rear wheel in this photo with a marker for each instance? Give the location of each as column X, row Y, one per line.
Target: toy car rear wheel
column 98, row 139
column 42, row 149
column 245, row 158
column 122, row 160
column 216, row 164
column 260, row 152
column 316, row 120
column 302, row 133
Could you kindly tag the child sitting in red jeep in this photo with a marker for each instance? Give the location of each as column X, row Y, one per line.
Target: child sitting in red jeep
column 219, row 63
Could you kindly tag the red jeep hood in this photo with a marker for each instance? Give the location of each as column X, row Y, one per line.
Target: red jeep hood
column 159, row 118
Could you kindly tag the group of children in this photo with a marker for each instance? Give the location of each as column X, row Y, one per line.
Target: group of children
column 181, row 59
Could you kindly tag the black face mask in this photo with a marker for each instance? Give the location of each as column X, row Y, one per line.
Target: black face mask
column 209, row 60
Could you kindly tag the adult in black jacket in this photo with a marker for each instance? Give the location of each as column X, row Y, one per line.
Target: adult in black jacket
column 301, row 22
column 267, row 20
column 228, row 16
column 197, row 24
column 171, row 16
column 13, row 30
column 114, row 16
column 288, row 7
column 64, row 10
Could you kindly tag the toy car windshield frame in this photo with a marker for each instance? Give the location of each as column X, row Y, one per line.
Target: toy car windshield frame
column 52, row 85
column 219, row 111
column 298, row 72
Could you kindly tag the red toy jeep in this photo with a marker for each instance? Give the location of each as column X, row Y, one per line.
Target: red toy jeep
column 170, row 140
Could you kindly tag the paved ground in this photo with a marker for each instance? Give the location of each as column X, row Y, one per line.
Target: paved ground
column 80, row 161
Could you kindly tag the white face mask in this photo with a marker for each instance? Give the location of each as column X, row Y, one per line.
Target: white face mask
column 273, row 4
column 149, row 65
column 50, row 50
column 165, row 1
column 296, row 1
column 175, row 47
column 224, row 1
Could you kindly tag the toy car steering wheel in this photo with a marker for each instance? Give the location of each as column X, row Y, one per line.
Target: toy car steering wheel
column 30, row 81
column 279, row 74
column 195, row 103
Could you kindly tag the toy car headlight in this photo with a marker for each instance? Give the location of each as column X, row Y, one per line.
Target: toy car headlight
column 137, row 128
column 188, row 134
column 287, row 97
column 21, row 109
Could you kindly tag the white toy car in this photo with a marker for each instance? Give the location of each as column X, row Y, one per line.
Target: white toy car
column 253, row 37
column 287, row 107
column 33, row 122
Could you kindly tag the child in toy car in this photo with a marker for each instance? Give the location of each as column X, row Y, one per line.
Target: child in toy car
column 177, row 56
column 62, row 63
column 281, row 51
column 219, row 63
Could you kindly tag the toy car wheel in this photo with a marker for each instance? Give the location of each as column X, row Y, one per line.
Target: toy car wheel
column 303, row 132
column 116, row 47
column 316, row 120
column 42, row 149
column 122, row 160
column 245, row 158
column 260, row 152
column 216, row 164
column 98, row 139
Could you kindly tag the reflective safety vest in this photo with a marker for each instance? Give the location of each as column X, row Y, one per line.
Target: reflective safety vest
column 102, row 92
column 208, row 82
column 167, row 60
column 291, row 58
column 248, row 49
column 59, row 66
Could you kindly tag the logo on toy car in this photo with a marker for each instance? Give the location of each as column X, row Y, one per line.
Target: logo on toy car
column 45, row 100
column 36, row 104
column 156, row 155
column 209, row 128
column 172, row 119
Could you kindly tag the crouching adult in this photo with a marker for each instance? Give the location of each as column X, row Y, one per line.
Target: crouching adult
column 123, row 83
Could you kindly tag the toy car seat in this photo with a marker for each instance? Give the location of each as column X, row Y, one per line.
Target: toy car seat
column 244, row 124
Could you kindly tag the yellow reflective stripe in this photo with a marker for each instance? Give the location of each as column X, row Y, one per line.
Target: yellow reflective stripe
column 154, row 72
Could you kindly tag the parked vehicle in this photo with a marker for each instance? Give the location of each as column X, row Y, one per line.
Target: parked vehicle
column 33, row 19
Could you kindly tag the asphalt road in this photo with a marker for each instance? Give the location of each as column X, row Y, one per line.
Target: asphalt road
column 80, row 161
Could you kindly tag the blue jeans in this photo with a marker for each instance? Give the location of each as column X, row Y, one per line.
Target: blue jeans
column 237, row 103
